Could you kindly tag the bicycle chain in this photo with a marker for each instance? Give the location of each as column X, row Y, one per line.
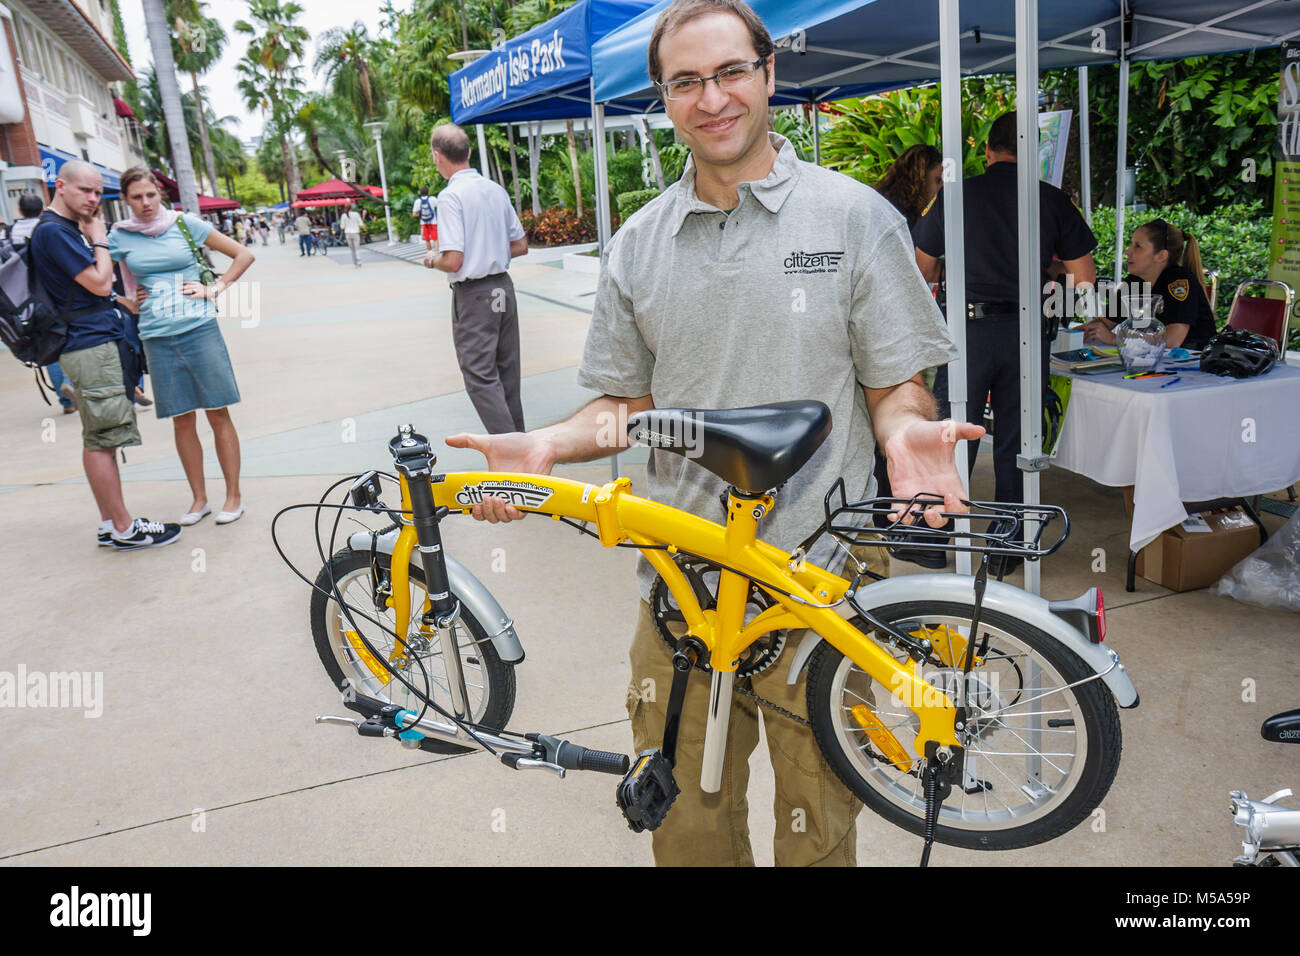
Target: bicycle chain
column 770, row 705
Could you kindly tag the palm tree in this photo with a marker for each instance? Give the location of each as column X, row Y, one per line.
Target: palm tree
column 573, row 164
column 165, row 70
column 197, row 45
column 344, row 56
column 269, row 72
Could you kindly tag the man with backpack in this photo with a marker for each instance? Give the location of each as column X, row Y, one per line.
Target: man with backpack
column 427, row 210
column 69, row 262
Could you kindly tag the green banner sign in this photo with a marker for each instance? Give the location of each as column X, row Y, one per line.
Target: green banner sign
column 1284, row 249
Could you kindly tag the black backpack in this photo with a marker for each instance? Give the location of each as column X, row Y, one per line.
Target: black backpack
column 32, row 327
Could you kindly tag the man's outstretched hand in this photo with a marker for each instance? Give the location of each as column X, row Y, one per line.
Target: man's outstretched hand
column 512, row 451
column 921, row 461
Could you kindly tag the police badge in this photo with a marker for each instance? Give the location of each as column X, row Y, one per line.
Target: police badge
column 1179, row 289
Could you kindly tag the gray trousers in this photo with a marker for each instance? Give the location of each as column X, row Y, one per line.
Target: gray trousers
column 485, row 330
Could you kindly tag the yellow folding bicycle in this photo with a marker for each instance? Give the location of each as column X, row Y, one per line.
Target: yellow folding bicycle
column 962, row 709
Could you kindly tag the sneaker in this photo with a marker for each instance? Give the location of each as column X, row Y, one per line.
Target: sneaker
column 146, row 534
column 105, row 534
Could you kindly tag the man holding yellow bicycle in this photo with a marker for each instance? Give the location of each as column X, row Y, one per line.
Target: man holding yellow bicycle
column 757, row 278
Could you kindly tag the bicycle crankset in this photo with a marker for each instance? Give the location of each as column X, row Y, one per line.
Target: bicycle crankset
column 703, row 579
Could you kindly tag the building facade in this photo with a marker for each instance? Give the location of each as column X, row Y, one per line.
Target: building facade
column 61, row 65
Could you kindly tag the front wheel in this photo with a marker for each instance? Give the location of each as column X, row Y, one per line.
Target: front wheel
column 1039, row 755
column 489, row 681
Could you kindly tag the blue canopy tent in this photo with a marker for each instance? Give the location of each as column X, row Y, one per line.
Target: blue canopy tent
column 838, row 48
column 546, row 74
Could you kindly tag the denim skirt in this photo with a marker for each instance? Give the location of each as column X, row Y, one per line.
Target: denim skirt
column 191, row 371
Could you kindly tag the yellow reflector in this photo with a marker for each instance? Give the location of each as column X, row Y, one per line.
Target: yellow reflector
column 367, row 658
column 881, row 736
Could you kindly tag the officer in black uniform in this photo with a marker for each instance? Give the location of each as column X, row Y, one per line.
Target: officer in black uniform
column 993, row 290
column 1166, row 262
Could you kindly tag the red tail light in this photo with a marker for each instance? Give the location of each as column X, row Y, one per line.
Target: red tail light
column 1101, row 617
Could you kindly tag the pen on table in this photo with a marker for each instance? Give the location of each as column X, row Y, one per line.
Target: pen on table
column 1176, row 378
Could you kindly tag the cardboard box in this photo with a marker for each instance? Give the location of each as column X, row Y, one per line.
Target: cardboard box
column 1183, row 560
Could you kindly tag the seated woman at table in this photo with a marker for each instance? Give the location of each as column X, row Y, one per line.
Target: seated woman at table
column 1169, row 261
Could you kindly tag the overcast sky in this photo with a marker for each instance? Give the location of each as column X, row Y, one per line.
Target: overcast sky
column 221, row 81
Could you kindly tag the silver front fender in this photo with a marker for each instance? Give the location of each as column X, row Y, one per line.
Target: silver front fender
column 1003, row 598
column 473, row 595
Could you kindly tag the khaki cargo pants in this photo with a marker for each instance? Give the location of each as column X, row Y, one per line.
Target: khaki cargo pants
column 107, row 412
column 814, row 811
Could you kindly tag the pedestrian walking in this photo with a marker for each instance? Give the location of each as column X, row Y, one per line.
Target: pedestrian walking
column 175, row 298
column 427, row 210
column 351, row 223
column 480, row 235
column 306, row 244
column 70, row 256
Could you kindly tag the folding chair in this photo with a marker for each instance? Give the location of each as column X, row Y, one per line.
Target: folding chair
column 1265, row 316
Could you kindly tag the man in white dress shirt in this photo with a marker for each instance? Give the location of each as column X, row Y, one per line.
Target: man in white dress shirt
column 478, row 235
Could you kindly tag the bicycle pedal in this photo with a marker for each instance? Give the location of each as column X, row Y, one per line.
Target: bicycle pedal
column 647, row 791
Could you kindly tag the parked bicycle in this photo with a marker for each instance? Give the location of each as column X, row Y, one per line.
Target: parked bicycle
column 1272, row 828
column 962, row 709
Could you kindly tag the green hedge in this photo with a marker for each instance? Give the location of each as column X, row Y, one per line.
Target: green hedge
column 632, row 200
column 1233, row 240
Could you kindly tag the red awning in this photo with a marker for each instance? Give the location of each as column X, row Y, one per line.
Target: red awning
column 122, row 107
column 206, row 203
column 315, row 203
column 338, row 189
column 216, row 204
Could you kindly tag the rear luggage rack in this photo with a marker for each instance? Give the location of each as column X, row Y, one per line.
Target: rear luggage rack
column 995, row 527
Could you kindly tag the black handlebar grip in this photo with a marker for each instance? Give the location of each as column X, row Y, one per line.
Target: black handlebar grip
column 572, row 757
column 367, row 706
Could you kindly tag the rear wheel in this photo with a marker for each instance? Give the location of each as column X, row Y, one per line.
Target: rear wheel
column 1039, row 755
column 489, row 681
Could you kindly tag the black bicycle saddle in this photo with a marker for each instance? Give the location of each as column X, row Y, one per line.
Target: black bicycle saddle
column 753, row 449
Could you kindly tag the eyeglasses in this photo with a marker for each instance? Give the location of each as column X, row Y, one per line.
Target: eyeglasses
column 731, row 78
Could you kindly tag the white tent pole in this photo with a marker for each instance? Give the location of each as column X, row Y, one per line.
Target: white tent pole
column 1121, row 164
column 602, row 210
column 1031, row 459
column 601, row 174
column 817, row 136
column 954, row 228
column 1085, row 148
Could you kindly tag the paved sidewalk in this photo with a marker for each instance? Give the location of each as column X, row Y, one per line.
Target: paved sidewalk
column 206, row 753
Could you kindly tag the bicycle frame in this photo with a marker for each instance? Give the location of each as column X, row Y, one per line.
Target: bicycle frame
column 662, row 531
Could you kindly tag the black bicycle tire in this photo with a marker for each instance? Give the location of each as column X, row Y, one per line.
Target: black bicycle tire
column 499, row 676
column 1095, row 701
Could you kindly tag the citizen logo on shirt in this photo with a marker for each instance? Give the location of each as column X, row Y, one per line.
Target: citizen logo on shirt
column 804, row 262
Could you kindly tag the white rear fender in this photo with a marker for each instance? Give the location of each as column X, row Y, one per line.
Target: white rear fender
column 1003, row 598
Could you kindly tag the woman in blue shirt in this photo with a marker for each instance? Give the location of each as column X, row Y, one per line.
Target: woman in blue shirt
column 187, row 356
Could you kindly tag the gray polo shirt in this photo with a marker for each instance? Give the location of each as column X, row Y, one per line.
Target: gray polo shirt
column 808, row 289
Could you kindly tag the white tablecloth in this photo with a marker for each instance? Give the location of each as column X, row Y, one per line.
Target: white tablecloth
column 1202, row 437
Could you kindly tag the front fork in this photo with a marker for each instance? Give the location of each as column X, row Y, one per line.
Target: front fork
column 414, row 461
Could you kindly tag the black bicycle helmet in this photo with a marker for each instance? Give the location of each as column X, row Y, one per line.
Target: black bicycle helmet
column 1239, row 353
